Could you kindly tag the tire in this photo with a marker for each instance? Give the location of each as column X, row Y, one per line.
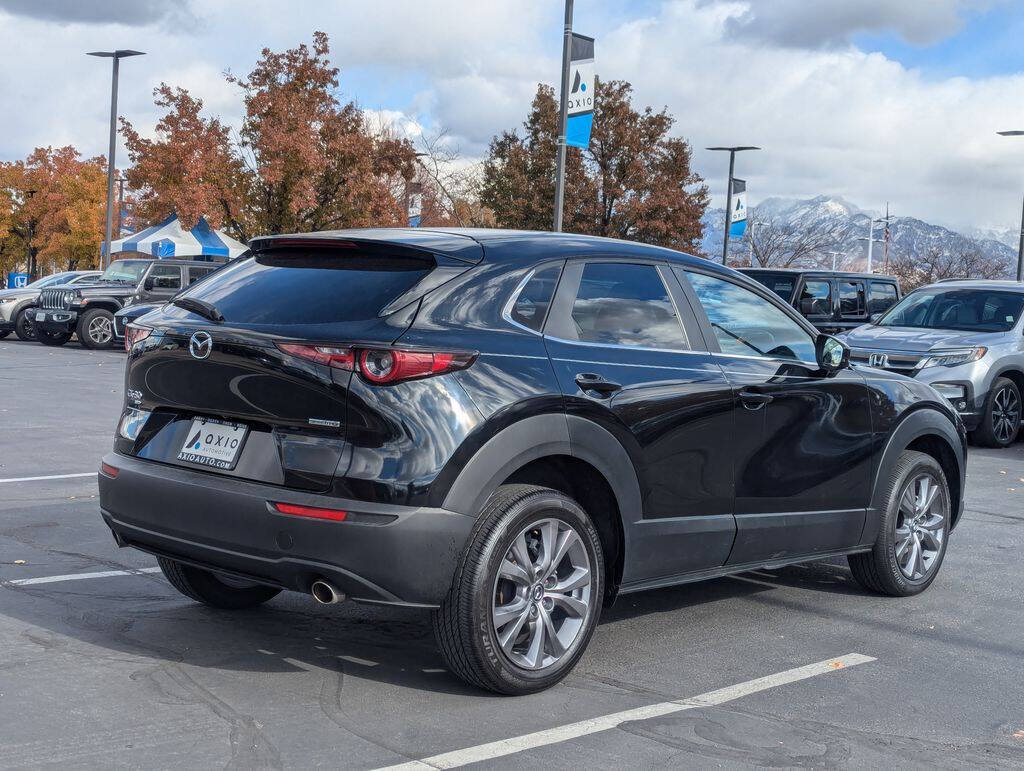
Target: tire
column 52, row 338
column 206, row 587
column 882, row 569
column 96, row 329
column 1000, row 423
column 465, row 625
column 23, row 326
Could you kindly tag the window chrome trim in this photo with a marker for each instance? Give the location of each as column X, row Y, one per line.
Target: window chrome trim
column 620, row 346
column 506, row 312
column 764, row 358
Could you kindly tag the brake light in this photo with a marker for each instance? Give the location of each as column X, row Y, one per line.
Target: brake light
column 312, row 512
column 381, row 365
column 109, row 471
column 337, row 357
column 388, row 365
column 135, row 334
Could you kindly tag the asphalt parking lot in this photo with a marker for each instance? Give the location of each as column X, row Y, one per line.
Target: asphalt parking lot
column 102, row 664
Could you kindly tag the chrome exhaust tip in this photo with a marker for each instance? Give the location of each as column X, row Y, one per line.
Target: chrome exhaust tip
column 325, row 593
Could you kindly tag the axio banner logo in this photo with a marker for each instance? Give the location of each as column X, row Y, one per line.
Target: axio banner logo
column 738, row 214
column 17, row 280
column 580, row 100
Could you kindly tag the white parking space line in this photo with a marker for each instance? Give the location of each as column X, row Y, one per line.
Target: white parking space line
column 563, row 733
column 78, row 576
column 54, row 476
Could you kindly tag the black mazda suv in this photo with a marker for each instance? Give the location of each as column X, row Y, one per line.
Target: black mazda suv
column 511, row 429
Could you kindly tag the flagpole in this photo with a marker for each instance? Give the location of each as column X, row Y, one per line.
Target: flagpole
column 563, row 104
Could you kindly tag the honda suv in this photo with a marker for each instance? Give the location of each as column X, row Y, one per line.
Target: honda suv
column 965, row 338
column 511, row 429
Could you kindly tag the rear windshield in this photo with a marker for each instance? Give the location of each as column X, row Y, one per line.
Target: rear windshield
column 308, row 286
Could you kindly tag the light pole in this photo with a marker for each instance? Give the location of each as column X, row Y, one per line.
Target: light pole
column 116, row 56
column 563, row 117
column 871, row 238
column 728, row 190
column 1020, row 247
column 834, row 255
column 31, row 230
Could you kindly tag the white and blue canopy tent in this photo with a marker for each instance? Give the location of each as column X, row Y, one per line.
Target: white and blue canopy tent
column 170, row 239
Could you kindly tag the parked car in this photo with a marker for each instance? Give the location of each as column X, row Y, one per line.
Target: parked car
column 964, row 338
column 17, row 305
column 834, row 302
column 128, row 314
column 511, row 429
column 88, row 310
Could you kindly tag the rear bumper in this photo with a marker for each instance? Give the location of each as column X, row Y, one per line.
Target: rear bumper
column 399, row 555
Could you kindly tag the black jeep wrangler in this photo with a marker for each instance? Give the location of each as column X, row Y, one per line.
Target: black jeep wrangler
column 833, row 301
column 88, row 309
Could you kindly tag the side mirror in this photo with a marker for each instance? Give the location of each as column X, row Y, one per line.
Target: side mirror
column 874, row 317
column 148, row 284
column 832, row 354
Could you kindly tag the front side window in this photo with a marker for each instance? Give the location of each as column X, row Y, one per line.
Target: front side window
column 851, row 298
column 883, row 297
column 166, row 277
column 747, row 324
column 194, row 274
column 626, row 304
column 816, row 298
column 531, row 305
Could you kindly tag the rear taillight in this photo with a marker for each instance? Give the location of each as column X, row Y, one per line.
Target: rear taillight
column 135, row 334
column 339, row 358
column 109, row 471
column 382, row 365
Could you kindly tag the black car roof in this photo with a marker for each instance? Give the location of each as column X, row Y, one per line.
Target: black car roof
column 476, row 244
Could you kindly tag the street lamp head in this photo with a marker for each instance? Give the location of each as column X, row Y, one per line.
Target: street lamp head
column 737, row 149
column 120, row 53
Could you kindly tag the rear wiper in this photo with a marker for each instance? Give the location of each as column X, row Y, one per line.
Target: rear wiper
column 203, row 308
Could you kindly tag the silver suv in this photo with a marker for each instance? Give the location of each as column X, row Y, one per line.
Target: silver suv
column 964, row 338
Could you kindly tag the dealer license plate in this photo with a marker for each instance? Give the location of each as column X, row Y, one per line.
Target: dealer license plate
column 214, row 443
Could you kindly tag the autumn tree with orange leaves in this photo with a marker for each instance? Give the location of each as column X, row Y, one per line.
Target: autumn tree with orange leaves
column 51, row 211
column 635, row 181
column 302, row 160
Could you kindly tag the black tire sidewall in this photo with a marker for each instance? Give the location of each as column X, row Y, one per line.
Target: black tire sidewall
column 990, row 434
column 83, row 329
column 909, row 465
column 23, row 326
column 544, row 505
column 52, row 338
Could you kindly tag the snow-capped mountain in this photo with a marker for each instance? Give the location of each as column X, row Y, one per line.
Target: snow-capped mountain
column 908, row 236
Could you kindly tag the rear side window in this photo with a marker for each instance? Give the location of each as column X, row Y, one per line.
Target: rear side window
column 531, row 305
column 883, row 297
column 851, row 298
column 194, row 274
column 310, row 286
column 624, row 304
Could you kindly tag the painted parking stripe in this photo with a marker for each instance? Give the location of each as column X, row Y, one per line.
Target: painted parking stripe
column 79, row 576
column 54, row 476
column 563, row 733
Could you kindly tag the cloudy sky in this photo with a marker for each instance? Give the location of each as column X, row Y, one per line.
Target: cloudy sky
column 871, row 100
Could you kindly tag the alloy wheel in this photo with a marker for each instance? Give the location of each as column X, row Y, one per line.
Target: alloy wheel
column 920, row 526
column 1005, row 414
column 542, row 594
column 100, row 330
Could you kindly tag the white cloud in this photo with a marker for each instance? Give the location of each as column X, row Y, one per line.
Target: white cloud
column 831, row 118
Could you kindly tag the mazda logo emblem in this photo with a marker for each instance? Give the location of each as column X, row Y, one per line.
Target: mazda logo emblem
column 200, row 345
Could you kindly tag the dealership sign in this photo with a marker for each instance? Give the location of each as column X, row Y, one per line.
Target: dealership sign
column 580, row 102
column 17, row 280
column 738, row 212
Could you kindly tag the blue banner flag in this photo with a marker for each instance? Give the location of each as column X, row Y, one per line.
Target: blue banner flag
column 580, row 101
column 738, row 214
column 17, row 280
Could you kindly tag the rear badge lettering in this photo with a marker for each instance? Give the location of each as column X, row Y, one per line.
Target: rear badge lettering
column 324, row 422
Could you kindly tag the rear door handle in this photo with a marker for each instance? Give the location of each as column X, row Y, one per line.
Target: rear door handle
column 754, row 400
column 588, row 381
